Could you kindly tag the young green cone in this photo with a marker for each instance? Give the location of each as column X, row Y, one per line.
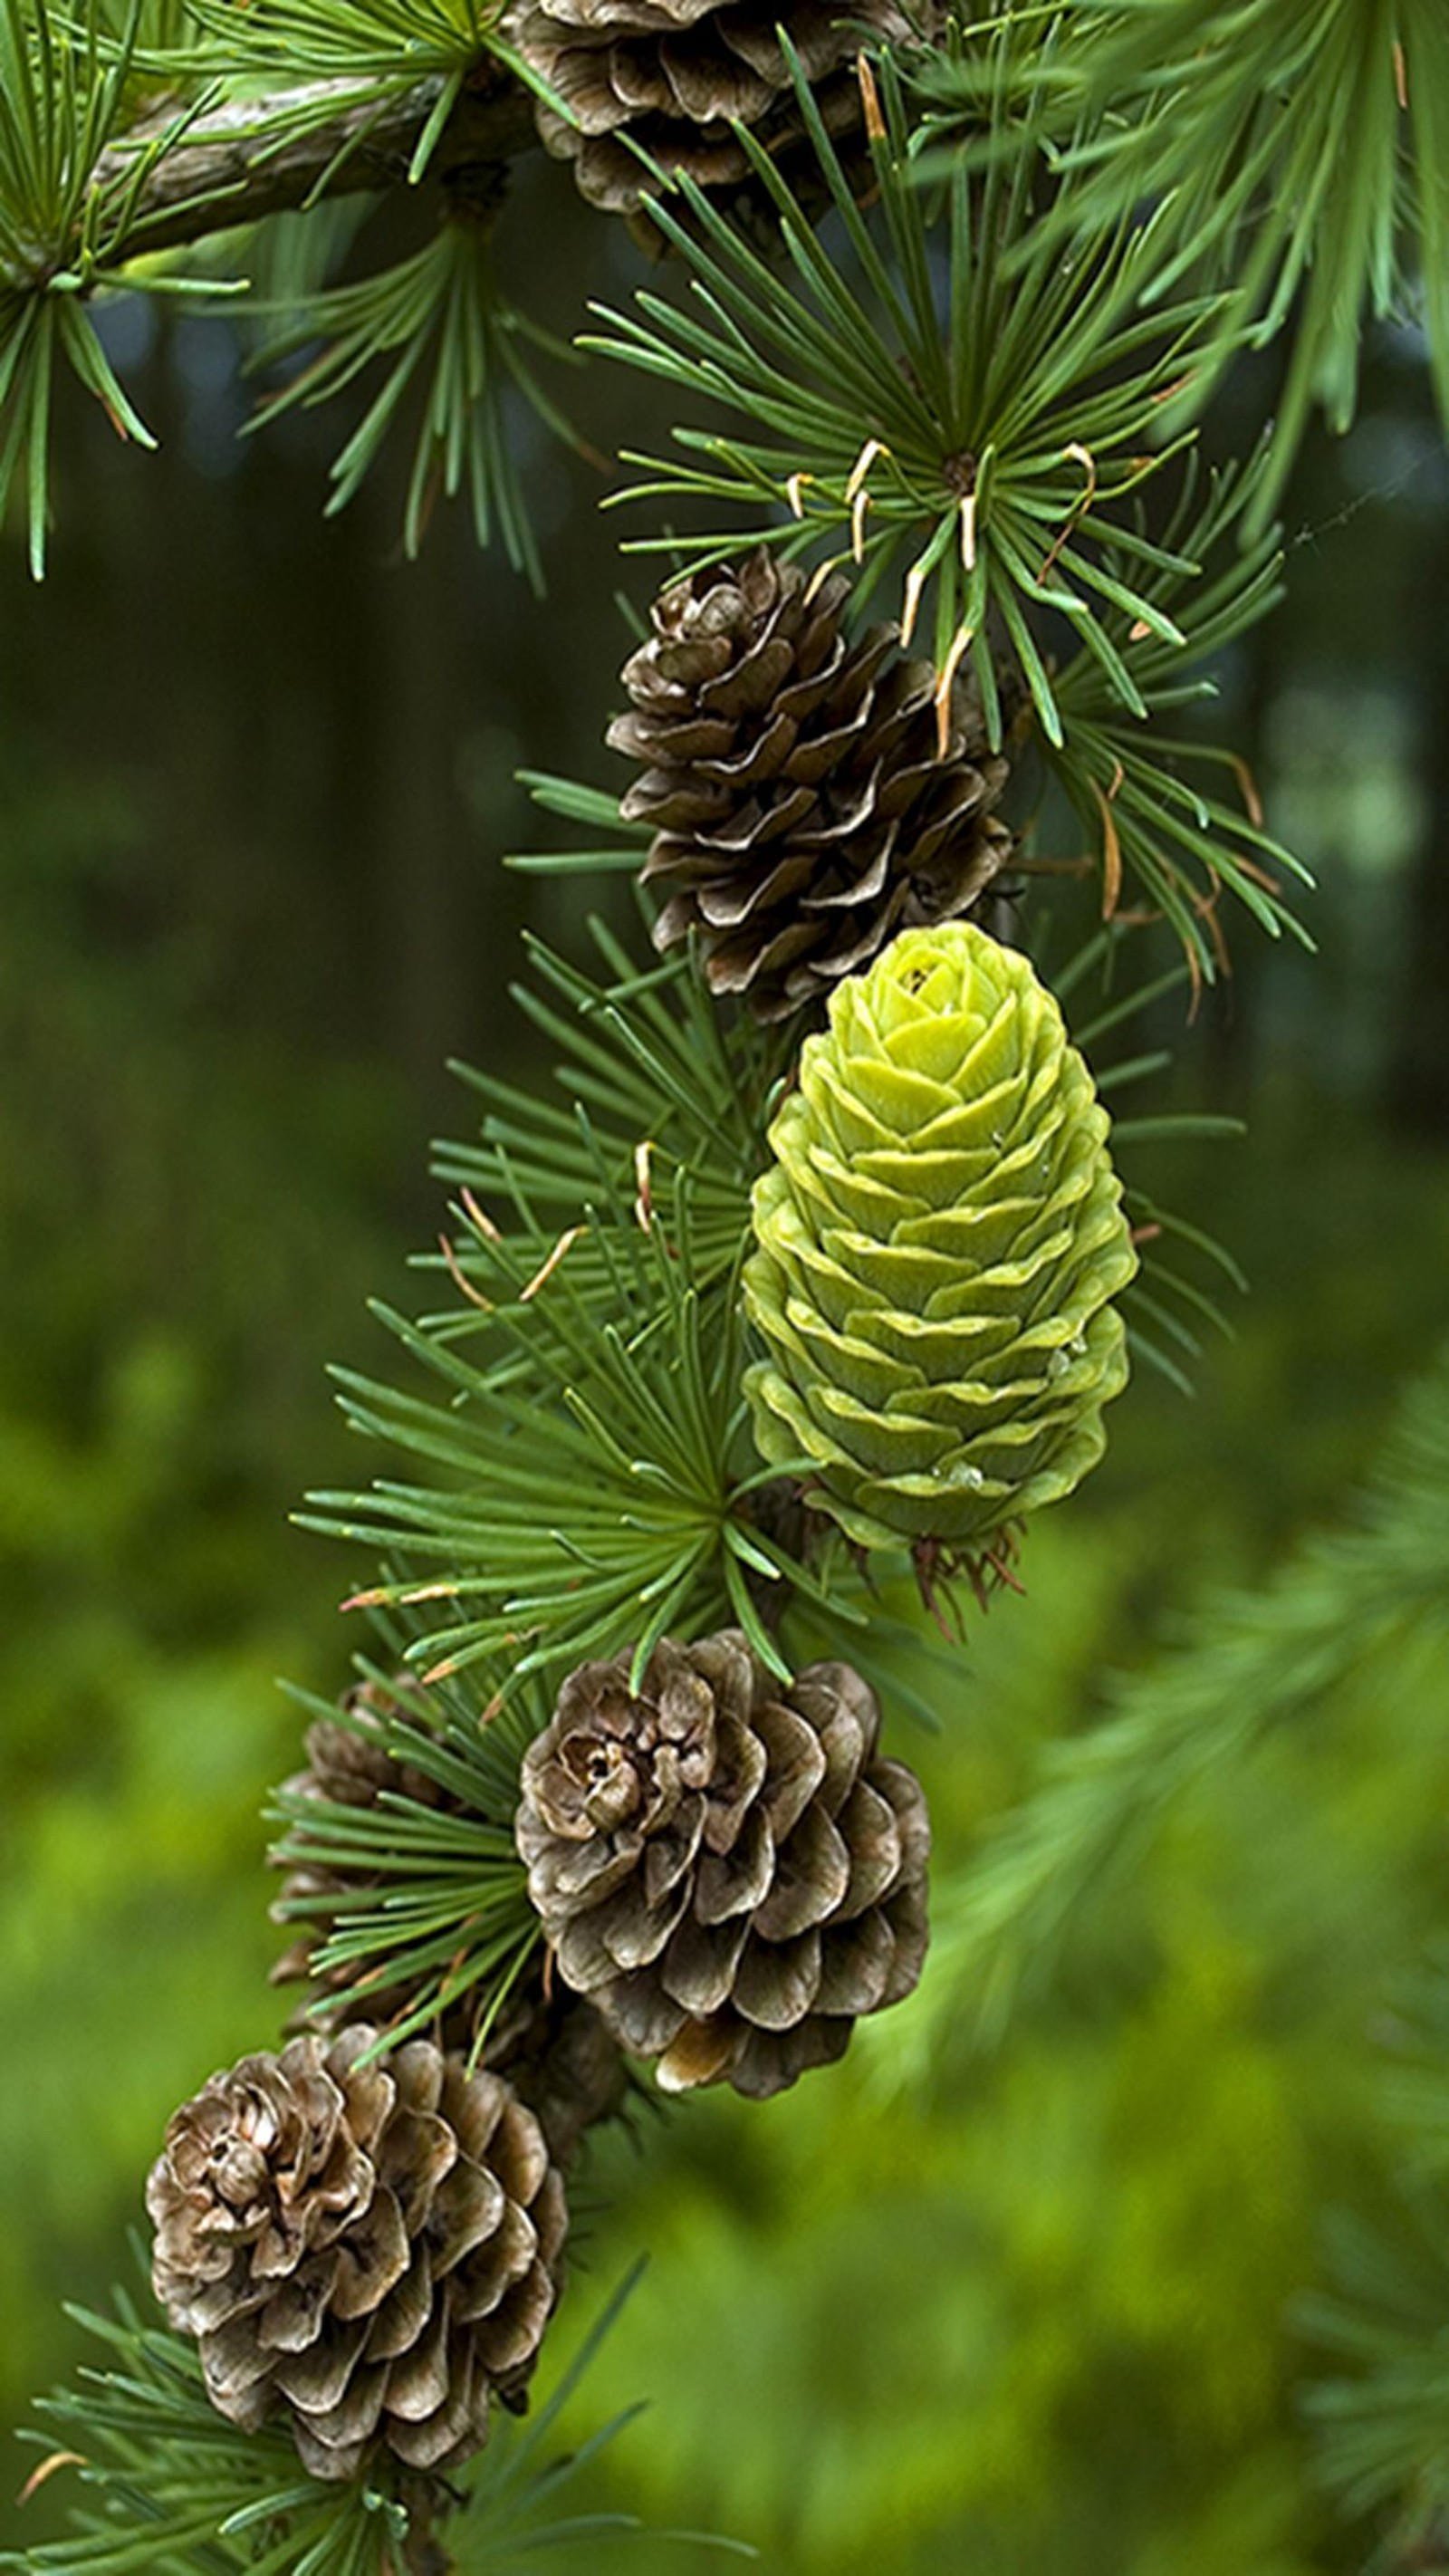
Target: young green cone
column 938, row 1241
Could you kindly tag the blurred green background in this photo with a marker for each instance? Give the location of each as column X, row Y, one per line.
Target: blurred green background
column 256, row 778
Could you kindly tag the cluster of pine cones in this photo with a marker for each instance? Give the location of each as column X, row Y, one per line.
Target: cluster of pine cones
column 366, row 2242
column 366, row 2239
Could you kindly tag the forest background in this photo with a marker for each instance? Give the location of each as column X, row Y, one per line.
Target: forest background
column 1032, row 2305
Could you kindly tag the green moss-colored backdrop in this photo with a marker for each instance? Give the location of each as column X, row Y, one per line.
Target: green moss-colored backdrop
column 1037, row 2311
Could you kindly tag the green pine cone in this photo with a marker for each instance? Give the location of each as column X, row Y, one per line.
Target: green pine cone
column 938, row 1240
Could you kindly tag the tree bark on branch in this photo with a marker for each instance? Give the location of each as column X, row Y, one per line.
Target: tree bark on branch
column 232, row 170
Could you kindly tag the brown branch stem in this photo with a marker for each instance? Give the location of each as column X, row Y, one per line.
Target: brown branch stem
column 231, row 169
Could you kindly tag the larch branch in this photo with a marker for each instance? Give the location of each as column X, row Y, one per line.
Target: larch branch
column 233, row 169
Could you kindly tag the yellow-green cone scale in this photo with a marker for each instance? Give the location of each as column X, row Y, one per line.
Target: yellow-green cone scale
column 938, row 1242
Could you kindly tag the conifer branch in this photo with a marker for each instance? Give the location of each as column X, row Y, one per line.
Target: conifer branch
column 252, row 158
column 960, row 379
column 166, row 2483
column 236, row 129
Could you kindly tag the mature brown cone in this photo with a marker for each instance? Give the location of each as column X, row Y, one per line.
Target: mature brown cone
column 802, row 811
column 348, row 1765
column 560, row 2060
column 723, row 1863
column 553, row 2048
column 371, row 2251
column 674, row 75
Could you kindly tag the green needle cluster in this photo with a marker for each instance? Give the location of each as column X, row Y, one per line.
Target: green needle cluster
column 1294, row 150
column 939, row 1239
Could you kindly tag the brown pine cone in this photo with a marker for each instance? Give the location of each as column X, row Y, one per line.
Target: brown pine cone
column 553, row 2048
column 675, row 75
column 802, row 812
column 370, row 2251
column 348, row 1765
column 561, row 2061
column 722, row 1863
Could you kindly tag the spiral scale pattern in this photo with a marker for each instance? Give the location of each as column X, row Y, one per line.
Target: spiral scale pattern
column 938, row 1242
